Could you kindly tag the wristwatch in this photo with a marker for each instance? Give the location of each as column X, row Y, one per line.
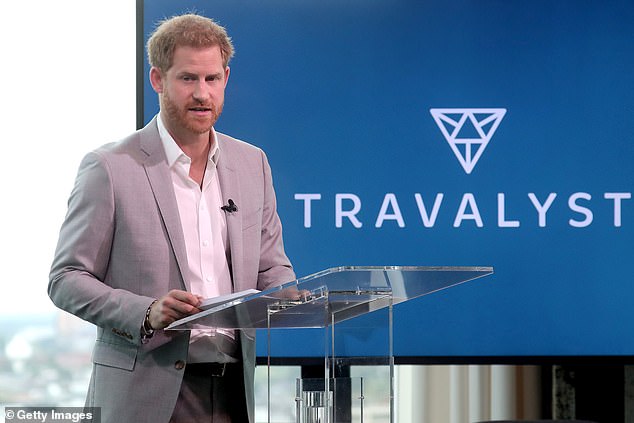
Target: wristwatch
column 147, row 331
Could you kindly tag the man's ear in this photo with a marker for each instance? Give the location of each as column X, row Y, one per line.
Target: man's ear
column 227, row 72
column 156, row 79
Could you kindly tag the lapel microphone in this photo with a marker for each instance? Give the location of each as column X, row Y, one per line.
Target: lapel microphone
column 231, row 207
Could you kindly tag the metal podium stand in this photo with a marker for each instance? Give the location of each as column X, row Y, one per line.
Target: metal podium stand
column 328, row 301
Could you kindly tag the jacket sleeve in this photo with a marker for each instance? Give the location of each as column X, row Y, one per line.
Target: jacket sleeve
column 80, row 265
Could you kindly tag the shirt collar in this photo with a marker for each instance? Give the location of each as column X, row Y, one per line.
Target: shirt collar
column 173, row 152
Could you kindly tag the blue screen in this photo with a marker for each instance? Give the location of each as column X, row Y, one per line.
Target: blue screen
column 455, row 133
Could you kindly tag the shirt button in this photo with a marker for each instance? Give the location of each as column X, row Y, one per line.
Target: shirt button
column 179, row 365
column 205, row 243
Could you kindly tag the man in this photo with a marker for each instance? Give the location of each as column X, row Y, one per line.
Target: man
column 172, row 214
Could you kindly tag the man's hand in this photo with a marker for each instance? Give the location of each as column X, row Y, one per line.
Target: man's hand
column 173, row 306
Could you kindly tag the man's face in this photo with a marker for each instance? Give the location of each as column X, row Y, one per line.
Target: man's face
column 192, row 91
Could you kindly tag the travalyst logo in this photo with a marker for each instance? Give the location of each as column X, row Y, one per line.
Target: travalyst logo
column 468, row 131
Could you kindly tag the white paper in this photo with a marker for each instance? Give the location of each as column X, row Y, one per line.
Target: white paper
column 216, row 301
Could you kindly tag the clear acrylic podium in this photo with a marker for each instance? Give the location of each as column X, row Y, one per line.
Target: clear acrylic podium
column 335, row 302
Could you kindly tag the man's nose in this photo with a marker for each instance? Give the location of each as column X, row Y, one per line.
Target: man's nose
column 201, row 94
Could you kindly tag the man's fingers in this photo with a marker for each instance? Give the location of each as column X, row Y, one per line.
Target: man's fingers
column 182, row 302
column 185, row 297
column 173, row 306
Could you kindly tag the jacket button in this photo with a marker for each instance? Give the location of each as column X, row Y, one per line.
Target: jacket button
column 179, row 365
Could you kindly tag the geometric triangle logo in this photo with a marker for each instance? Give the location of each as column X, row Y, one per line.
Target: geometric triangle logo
column 468, row 131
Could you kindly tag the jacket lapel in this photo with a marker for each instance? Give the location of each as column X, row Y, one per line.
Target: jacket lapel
column 230, row 189
column 158, row 174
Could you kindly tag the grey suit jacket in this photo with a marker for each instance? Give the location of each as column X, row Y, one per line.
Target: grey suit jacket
column 121, row 246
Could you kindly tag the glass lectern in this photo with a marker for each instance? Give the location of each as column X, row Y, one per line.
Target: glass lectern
column 332, row 301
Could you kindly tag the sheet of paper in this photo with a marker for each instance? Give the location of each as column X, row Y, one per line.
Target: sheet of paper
column 216, row 301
